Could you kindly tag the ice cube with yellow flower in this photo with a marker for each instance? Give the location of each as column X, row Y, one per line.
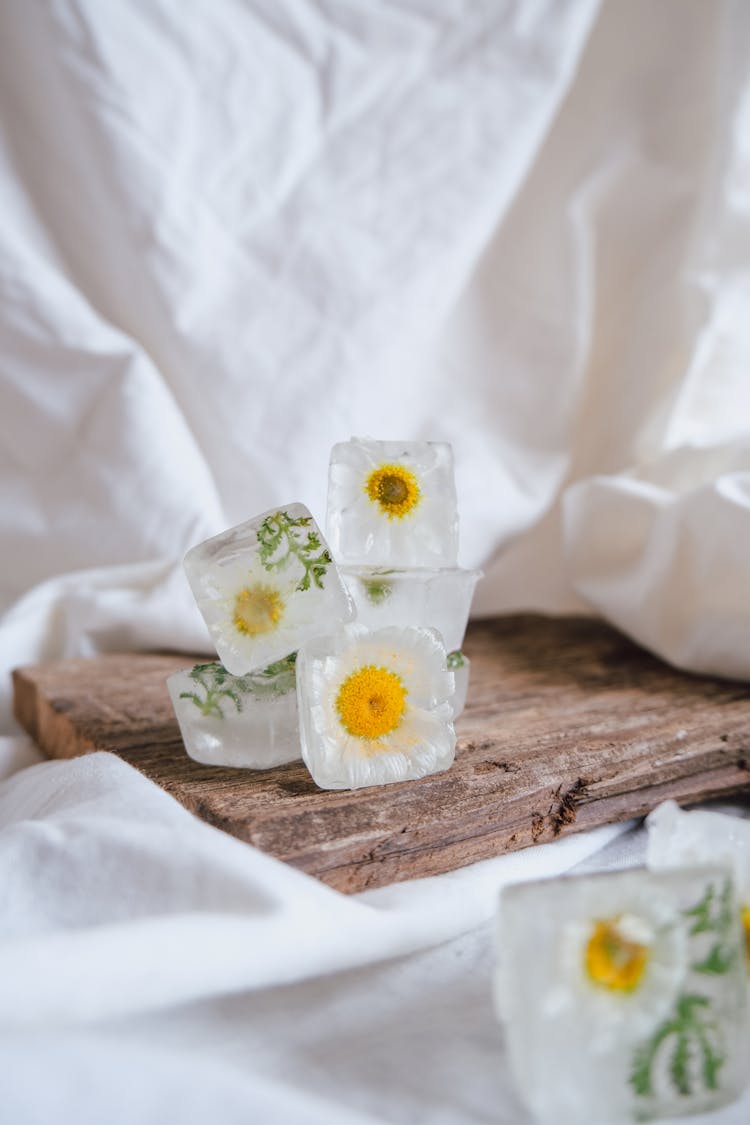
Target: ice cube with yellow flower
column 392, row 504
column 266, row 586
column 622, row 994
column 375, row 706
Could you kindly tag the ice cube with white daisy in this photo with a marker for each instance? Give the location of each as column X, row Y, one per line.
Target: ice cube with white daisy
column 622, row 994
column 266, row 586
column 375, row 706
column 246, row 722
column 392, row 503
column 677, row 839
column 428, row 598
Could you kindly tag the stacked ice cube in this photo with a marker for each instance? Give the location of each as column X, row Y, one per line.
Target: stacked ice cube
column 392, row 523
column 362, row 704
column 263, row 588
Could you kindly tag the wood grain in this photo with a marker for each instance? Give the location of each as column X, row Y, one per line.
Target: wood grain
column 568, row 726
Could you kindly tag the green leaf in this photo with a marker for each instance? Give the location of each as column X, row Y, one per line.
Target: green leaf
column 712, row 1063
column 282, row 539
column 217, row 685
column 709, row 915
column 701, row 912
column 192, row 696
column 689, row 1029
column 640, row 1075
column 376, row 590
column 679, row 1065
column 718, row 961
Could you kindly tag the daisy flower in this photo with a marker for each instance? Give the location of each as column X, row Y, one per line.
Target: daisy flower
column 621, row 959
column 266, row 586
column 677, row 839
column 375, row 706
column 393, row 503
column 619, row 994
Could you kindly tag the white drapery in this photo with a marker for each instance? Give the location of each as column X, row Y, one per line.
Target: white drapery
column 233, row 234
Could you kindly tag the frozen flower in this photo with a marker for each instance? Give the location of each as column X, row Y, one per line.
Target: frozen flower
column 375, row 706
column 265, row 586
column 621, row 960
column 619, row 994
column 610, row 950
column 393, row 503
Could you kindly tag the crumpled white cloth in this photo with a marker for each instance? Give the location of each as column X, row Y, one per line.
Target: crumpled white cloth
column 118, row 904
column 119, row 901
column 230, row 236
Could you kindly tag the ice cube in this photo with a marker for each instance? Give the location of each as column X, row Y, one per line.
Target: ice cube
column 460, row 666
column 426, row 598
column 243, row 721
column 375, row 706
column 679, row 839
column 392, row 503
column 266, row 586
column 623, row 994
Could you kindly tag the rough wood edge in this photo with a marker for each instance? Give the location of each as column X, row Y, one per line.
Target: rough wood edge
column 48, row 725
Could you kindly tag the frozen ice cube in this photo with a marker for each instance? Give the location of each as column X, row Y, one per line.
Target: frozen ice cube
column 266, row 586
column 623, row 994
column 459, row 665
column 392, row 503
column 429, row 599
column 679, row 839
column 243, row 721
column 375, row 706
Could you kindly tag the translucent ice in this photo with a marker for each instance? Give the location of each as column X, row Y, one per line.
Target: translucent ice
column 392, row 504
column 243, row 721
column 430, row 599
column 460, row 666
column 266, row 586
column 375, row 706
column 623, row 994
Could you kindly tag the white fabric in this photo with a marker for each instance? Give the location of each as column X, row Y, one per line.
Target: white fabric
column 231, row 234
column 120, row 889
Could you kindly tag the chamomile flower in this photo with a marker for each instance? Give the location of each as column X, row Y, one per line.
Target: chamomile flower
column 677, row 839
column 619, row 994
column 375, row 706
column 393, row 503
column 621, row 960
column 265, row 586
column 603, row 952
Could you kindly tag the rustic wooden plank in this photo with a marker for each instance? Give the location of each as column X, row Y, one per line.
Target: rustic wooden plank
column 568, row 726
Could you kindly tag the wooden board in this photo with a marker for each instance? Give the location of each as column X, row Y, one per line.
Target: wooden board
column 568, row 726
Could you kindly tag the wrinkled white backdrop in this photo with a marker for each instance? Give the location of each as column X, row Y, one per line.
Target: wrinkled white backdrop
column 231, row 234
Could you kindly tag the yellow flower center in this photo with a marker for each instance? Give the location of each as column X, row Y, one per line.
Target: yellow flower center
column 371, row 702
column 257, row 609
column 745, row 914
column 614, row 961
column 394, row 489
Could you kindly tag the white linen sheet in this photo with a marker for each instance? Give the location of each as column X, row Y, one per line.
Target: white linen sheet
column 231, row 234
